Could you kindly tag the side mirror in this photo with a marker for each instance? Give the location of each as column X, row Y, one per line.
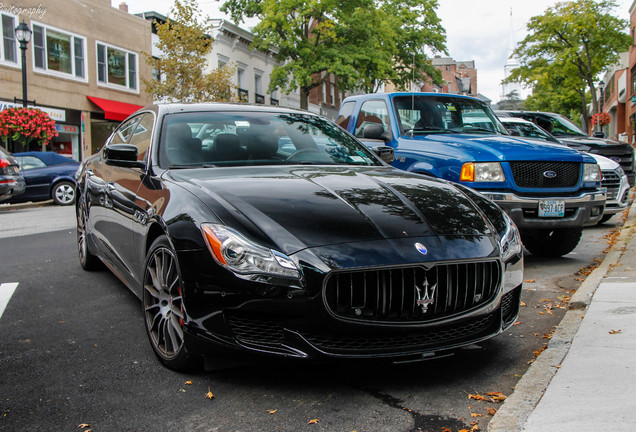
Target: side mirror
column 385, row 153
column 598, row 134
column 122, row 155
column 375, row 131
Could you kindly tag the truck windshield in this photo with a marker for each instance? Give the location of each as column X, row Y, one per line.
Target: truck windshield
column 429, row 114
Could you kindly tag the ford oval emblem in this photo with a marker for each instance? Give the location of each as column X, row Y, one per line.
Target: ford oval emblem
column 549, row 174
column 421, row 248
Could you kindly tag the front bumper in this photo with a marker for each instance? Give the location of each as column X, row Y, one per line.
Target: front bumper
column 582, row 210
column 230, row 317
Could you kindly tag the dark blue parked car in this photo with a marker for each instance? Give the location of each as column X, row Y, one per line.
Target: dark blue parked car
column 47, row 175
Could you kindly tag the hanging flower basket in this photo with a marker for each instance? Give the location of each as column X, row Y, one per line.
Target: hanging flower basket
column 24, row 125
column 601, row 119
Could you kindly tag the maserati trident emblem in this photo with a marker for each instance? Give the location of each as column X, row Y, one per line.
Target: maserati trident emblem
column 421, row 248
column 425, row 295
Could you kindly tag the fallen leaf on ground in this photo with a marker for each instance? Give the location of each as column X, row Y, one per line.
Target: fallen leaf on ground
column 523, row 304
column 188, row 383
column 491, row 411
column 530, row 280
column 517, row 323
column 84, row 426
column 476, row 415
column 314, row 421
column 613, row 332
column 209, row 394
column 272, row 411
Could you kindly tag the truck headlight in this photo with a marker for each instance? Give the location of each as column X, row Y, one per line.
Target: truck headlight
column 482, row 172
column 243, row 257
column 591, row 173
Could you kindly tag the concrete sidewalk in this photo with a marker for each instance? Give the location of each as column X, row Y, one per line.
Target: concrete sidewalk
column 584, row 380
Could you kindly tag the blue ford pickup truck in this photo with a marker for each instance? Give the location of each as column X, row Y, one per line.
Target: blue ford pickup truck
column 550, row 191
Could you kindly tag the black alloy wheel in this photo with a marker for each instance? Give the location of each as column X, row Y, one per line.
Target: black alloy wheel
column 87, row 260
column 163, row 306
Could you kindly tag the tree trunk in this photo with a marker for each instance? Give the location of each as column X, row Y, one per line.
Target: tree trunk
column 304, row 98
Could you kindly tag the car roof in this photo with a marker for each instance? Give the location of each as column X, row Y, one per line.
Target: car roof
column 396, row 94
column 49, row 158
column 514, row 120
column 173, row 108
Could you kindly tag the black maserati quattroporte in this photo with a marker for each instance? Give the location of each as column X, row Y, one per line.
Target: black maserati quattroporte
column 273, row 231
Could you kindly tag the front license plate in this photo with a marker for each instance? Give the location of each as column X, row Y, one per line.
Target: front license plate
column 551, row 208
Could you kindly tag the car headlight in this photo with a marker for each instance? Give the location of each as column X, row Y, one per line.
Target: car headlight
column 243, row 257
column 591, row 172
column 482, row 172
column 510, row 242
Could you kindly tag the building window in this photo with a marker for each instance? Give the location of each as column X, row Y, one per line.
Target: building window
column 259, row 97
column 116, row 67
column 9, row 46
column 58, row 52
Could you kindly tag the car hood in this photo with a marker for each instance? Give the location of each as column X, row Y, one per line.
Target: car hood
column 502, row 148
column 303, row 207
column 590, row 142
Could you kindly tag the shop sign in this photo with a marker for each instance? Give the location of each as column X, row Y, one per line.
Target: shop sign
column 56, row 114
column 66, row 129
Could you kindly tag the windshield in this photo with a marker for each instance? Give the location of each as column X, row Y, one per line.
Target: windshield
column 560, row 125
column 529, row 130
column 427, row 114
column 216, row 139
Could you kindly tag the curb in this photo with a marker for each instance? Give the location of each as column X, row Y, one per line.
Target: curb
column 26, row 205
column 513, row 414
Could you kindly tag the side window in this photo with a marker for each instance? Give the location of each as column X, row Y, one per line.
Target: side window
column 124, row 131
column 29, row 162
column 345, row 114
column 141, row 136
column 372, row 112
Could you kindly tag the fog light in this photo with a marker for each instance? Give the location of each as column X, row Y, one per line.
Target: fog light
column 596, row 211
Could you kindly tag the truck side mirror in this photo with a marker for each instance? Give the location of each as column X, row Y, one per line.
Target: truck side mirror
column 374, row 131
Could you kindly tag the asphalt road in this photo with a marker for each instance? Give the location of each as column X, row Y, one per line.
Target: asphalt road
column 74, row 352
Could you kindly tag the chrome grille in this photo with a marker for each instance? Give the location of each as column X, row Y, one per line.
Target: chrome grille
column 531, row 174
column 611, row 181
column 412, row 293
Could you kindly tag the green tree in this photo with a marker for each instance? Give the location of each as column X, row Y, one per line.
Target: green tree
column 511, row 101
column 185, row 44
column 361, row 42
column 567, row 48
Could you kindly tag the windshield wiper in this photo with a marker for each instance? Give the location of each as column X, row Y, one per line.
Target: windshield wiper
column 479, row 129
column 195, row 165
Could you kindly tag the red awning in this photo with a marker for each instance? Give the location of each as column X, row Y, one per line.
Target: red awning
column 114, row 110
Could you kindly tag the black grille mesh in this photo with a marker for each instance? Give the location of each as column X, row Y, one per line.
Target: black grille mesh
column 531, row 174
column 440, row 335
column 412, row 293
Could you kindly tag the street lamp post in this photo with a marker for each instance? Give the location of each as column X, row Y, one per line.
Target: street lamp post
column 23, row 35
column 601, row 88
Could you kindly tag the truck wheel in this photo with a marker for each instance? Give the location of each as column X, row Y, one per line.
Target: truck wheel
column 605, row 218
column 551, row 243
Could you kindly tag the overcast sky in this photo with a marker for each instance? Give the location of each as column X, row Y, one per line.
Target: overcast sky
column 476, row 30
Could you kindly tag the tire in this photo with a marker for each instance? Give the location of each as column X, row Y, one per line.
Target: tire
column 88, row 261
column 605, row 218
column 163, row 306
column 551, row 243
column 63, row 193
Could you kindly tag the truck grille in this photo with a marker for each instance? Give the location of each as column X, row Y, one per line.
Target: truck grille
column 611, row 181
column 412, row 294
column 532, row 174
column 624, row 156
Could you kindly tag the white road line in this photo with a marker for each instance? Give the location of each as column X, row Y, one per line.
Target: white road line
column 6, row 291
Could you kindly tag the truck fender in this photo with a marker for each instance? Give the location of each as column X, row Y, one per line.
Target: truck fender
column 423, row 167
